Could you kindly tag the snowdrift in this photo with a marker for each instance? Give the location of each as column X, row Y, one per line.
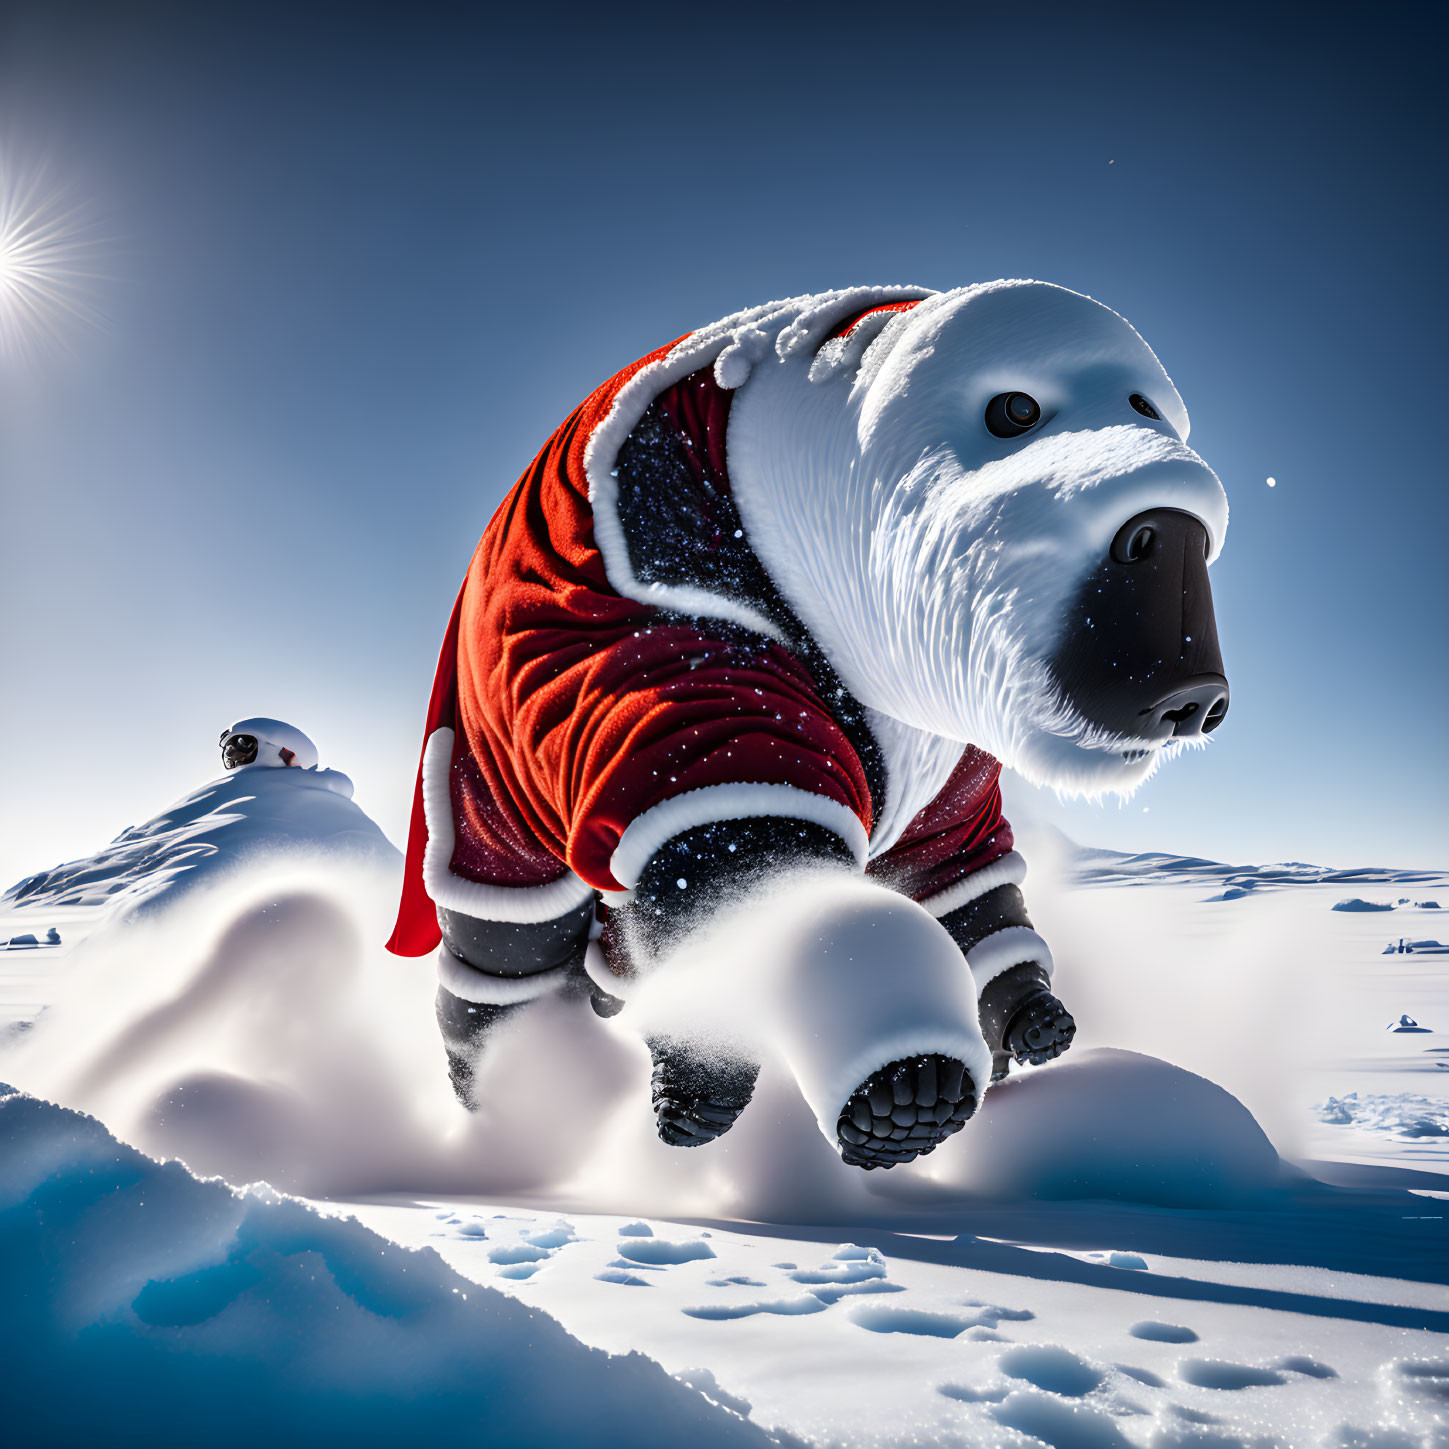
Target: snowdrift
column 256, row 1031
column 1113, row 1125
column 144, row 1306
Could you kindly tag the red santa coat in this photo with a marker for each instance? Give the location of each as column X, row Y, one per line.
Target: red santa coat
column 573, row 728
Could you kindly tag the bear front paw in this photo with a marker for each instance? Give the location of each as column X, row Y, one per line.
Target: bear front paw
column 904, row 1110
column 1041, row 1029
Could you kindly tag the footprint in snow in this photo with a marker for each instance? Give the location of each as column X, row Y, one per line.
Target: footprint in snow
column 618, row 1275
column 534, row 1247
column 1193, row 1416
column 660, row 1252
column 1155, row 1332
column 1057, row 1370
column 514, row 1254
column 738, row 1280
column 1064, row 1425
column 1142, row 1375
column 555, row 1237
column 1425, row 1376
column 885, row 1318
column 1214, row 1373
column 786, row 1307
column 1310, row 1367
column 990, row 1315
column 849, row 1270
column 967, row 1395
column 850, row 1273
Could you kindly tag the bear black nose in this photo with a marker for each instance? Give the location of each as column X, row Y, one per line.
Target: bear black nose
column 1197, row 708
column 1139, row 656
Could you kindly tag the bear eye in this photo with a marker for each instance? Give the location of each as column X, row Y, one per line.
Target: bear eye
column 1144, row 407
column 1010, row 414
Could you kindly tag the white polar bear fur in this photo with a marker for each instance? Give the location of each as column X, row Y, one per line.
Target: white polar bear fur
column 935, row 563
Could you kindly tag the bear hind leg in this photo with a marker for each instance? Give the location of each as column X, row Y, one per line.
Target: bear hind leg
column 1022, row 1021
column 465, row 1026
column 698, row 1095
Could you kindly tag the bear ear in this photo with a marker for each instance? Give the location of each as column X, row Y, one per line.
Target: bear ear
column 843, row 349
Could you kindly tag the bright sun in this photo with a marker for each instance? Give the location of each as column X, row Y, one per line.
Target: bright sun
column 45, row 255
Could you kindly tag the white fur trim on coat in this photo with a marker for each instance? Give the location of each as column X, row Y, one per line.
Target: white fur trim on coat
column 524, row 905
column 735, row 344
column 470, row 984
column 1010, row 869
column 712, row 803
column 1004, row 949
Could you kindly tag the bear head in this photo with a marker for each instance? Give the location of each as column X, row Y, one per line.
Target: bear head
column 985, row 510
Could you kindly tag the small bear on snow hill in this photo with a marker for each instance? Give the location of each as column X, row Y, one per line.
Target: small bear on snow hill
column 785, row 593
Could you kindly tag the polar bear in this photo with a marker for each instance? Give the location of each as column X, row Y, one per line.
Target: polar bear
column 788, row 592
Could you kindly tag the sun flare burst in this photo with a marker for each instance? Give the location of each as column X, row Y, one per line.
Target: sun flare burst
column 47, row 262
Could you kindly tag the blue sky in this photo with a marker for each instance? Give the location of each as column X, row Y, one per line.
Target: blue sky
column 358, row 262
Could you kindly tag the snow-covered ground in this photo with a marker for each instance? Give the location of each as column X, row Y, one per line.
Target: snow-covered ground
column 1114, row 1253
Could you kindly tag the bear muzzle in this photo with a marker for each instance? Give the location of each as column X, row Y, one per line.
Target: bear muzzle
column 1139, row 656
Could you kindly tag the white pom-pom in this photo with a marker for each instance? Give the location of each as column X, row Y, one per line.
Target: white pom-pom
column 794, row 338
column 733, row 366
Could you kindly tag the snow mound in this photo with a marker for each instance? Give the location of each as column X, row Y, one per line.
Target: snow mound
column 246, row 812
column 1233, row 892
column 1354, row 903
column 227, row 831
column 142, row 1301
column 1110, row 1124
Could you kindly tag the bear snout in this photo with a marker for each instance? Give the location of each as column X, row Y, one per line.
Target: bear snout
column 1139, row 657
